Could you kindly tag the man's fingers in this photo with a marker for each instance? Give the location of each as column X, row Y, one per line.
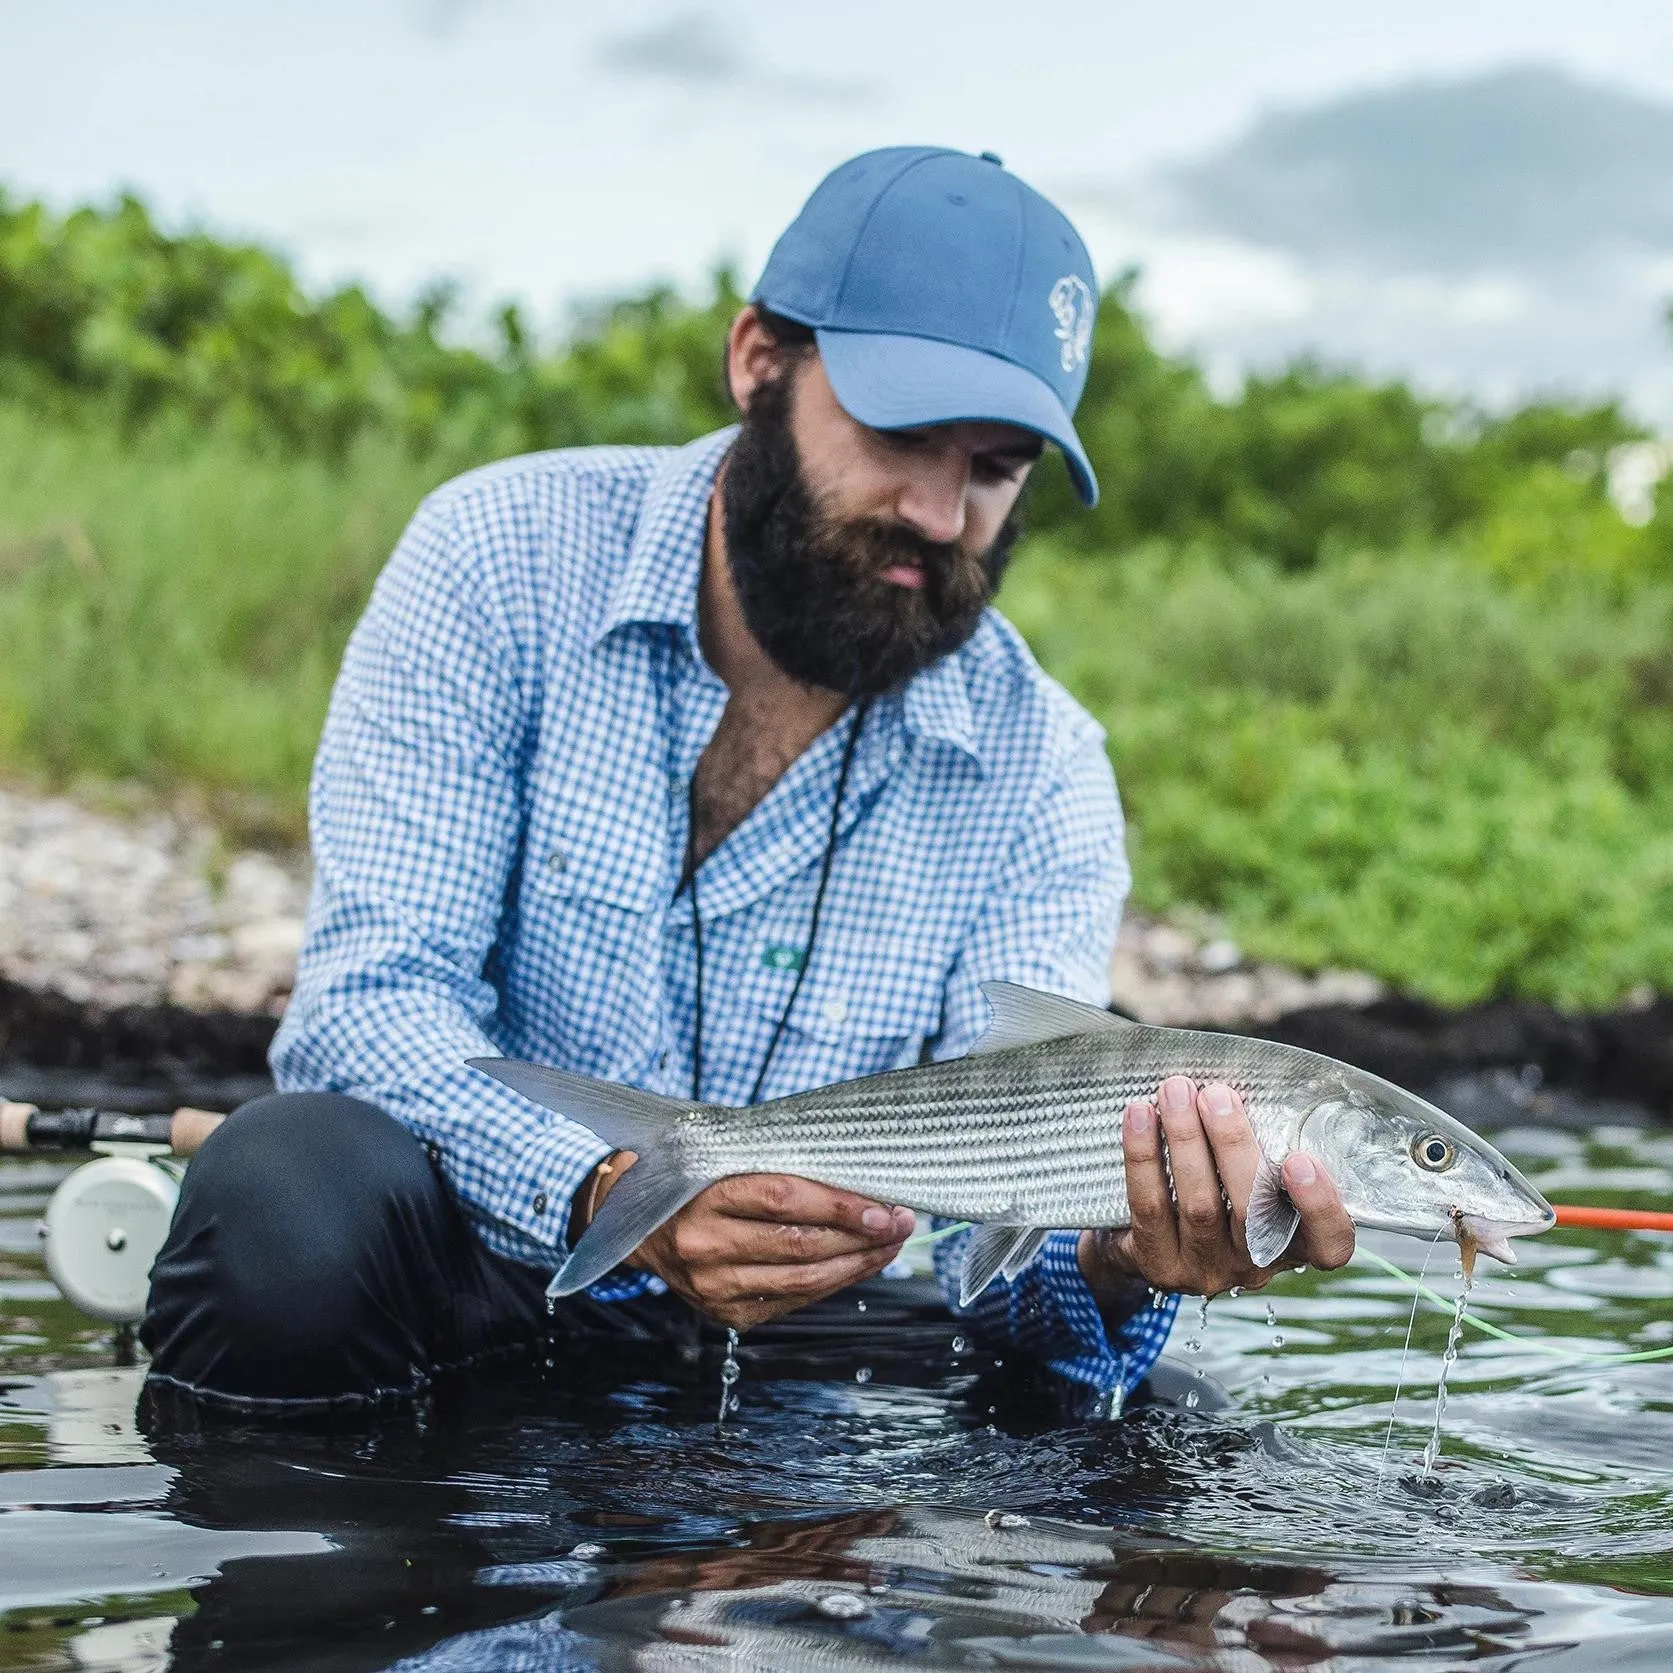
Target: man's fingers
column 785, row 1200
column 1236, row 1154
column 1326, row 1238
column 1154, row 1237
column 1196, row 1185
column 724, row 1239
column 794, row 1286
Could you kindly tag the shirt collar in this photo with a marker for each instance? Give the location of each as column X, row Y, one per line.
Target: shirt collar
column 658, row 585
column 937, row 705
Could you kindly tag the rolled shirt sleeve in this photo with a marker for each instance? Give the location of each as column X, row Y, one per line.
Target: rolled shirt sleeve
column 1050, row 923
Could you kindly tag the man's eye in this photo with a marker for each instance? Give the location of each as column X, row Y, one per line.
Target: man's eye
column 997, row 468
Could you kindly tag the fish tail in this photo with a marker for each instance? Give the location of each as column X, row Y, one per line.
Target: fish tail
column 656, row 1187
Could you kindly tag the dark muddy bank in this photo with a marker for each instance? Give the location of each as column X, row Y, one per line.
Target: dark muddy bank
column 54, row 1051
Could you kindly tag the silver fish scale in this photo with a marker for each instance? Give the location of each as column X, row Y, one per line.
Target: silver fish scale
column 1026, row 1136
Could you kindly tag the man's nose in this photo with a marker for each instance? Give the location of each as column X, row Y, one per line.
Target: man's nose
column 932, row 501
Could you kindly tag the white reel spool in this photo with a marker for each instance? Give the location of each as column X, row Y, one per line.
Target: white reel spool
column 103, row 1227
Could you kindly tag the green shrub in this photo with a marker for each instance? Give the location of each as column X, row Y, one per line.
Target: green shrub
column 1398, row 765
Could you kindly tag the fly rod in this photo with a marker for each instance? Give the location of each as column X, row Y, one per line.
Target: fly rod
column 26, row 1127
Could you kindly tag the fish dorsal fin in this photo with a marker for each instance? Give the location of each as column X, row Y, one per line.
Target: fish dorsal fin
column 1025, row 1016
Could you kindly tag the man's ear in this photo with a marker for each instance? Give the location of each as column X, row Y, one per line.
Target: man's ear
column 753, row 357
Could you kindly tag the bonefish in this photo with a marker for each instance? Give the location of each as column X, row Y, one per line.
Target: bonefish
column 1022, row 1136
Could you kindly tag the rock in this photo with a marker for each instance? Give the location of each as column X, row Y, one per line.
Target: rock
column 1163, row 973
column 112, row 910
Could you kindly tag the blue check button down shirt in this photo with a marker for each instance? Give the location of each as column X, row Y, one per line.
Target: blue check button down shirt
column 498, row 822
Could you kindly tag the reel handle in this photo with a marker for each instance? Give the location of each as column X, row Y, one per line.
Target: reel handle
column 25, row 1127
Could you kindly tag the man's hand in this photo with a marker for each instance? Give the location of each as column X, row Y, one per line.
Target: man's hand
column 749, row 1248
column 1185, row 1240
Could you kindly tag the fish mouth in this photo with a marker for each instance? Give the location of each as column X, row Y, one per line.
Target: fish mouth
column 1492, row 1237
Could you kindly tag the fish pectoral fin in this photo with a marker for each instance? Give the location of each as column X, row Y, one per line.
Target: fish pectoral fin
column 649, row 1192
column 1272, row 1219
column 1025, row 1017
column 993, row 1250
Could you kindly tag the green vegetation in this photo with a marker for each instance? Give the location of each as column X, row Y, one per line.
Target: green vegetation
column 1395, row 763
column 1389, row 682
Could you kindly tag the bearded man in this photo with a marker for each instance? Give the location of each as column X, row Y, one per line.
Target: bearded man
column 707, row 770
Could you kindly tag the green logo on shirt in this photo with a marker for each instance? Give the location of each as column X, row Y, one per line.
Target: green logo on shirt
column 778, row 956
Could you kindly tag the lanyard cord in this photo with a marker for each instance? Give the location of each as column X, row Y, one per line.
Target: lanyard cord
column 689, row 880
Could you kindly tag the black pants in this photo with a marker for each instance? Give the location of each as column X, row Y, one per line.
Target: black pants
column 318, row 1261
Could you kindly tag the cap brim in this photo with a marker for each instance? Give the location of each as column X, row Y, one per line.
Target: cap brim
column 898, row 383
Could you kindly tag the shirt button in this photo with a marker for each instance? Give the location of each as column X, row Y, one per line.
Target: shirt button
column 540, row 1202
column 835, row 1009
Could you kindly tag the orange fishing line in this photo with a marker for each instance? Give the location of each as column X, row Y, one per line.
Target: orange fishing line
column 1613, row 1219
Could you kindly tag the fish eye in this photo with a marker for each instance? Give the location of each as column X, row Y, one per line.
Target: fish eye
column 1434, row 1152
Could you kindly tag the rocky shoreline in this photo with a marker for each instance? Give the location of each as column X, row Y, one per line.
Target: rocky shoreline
column 142, row 966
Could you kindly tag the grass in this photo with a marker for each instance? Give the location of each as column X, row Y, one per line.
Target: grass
column 173, row 610
column 1406, row 764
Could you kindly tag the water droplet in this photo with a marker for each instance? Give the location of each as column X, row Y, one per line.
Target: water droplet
column 960, row 1345
column 586, row 1551
column 843, row 1606
column 729, row 1373
column 1192, row 1399
column 1277, row 1338
column 861, row 1305
column 1271, row 1315
column 1235, row 1291
column 1433, row 1449
column 863, row 1375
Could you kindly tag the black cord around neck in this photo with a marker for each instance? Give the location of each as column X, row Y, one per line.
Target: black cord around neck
column 688, row 879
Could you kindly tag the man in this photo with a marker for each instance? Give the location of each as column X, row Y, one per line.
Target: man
column 707, row 770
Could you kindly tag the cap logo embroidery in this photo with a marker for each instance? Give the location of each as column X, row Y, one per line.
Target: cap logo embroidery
column 1073, row 309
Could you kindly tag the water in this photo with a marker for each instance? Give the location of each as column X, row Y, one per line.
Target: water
column 730, row 1371
column 591, row 1517
column 1465, row 1279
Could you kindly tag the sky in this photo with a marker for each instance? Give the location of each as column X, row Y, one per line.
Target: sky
column 556, row 153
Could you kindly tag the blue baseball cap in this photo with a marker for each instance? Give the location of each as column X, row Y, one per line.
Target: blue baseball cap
column 942, row 289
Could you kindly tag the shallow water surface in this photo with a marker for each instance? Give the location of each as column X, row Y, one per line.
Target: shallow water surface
column 936, row 1517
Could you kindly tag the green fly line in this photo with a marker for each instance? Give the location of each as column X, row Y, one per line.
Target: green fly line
column 1419, row 1289
column 1490, row 1329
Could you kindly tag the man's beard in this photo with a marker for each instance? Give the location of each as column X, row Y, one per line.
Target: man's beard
column 811, row 585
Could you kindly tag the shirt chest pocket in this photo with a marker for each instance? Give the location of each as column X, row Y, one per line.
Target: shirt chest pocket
column 866, row 1004
column 581, row 847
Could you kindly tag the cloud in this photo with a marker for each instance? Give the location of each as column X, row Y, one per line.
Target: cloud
column 696, row 53
column 1523, row 169
column 444, row 18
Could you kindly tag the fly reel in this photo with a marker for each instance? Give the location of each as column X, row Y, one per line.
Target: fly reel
column 105, row 1223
